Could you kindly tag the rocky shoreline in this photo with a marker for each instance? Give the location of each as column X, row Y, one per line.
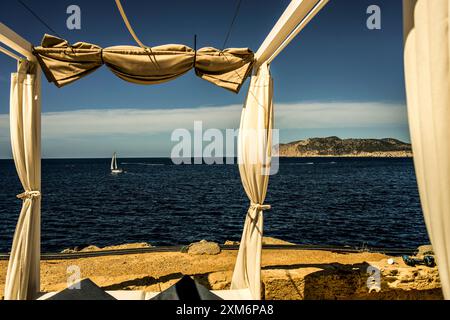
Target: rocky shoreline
column 193, row 246
column 94, row 248
column 286, row 274
column 353, row 155
column 337, row 147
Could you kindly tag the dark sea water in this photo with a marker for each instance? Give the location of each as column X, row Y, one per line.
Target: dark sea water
column 326, row 201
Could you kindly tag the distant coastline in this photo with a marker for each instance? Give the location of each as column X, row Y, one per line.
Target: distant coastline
column 337, row 147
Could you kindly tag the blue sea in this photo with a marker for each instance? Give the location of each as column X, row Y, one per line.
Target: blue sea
column 322, row 201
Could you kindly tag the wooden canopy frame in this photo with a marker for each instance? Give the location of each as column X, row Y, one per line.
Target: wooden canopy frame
column 293, row 20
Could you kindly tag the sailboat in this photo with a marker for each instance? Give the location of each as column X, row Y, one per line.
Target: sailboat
column 114, row 168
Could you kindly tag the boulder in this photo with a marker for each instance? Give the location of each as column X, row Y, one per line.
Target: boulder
column 425, row 250
column 137, row 245
column 337, row 281
column 68, row 251
column 231, row 243
column 275, row 241
column 265, row 241
column 81, row 248
column 90, row 248
column 203, row 247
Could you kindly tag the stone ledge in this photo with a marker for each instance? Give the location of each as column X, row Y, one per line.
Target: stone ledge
column 337, row 281
column 340, row 281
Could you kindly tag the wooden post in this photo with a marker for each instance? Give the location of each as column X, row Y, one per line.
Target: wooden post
column 15, row 42
column 296, row 16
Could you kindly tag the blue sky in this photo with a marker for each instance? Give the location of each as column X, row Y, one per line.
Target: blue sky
column 336, row 78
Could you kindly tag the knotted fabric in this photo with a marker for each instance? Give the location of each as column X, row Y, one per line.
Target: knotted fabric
column 23, row 276
column 63, row 63
column 254, row 156
column 261, row 207
column 29, row 195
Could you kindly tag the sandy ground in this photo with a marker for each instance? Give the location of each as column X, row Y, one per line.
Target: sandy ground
column 157, row 271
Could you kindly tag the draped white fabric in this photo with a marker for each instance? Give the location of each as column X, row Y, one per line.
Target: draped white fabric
column 254, row 155
column 22, row 279
column 427, row 70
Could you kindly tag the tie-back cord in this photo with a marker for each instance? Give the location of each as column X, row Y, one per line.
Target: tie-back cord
column 29, row 194
column 262, row 207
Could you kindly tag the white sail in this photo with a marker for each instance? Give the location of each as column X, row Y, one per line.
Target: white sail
column 113, row 162
column 114, row 168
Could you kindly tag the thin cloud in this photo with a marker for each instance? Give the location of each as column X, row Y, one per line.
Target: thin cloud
column 82, row 132
column 135, row 121
column 287, row 116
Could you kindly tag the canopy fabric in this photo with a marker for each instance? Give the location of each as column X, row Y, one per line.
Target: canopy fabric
column 427, row 74
column 254, row 156
column 23, row 276
column 64, row 64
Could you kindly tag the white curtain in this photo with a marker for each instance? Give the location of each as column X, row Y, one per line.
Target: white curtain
column 254, row 156
column 427, row 71
column 22, row 279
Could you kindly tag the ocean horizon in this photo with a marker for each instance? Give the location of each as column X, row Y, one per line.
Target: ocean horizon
column 371, row 202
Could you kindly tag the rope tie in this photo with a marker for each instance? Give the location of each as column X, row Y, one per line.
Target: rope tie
column 262, row 207
column 29, row 195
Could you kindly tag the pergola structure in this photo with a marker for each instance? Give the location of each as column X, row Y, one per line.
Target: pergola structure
column 427, row 82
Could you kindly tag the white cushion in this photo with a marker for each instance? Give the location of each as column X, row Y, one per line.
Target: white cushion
column 117, row 294
column 127, row 294
column 236, row 294
column 46, row 295
column 149, row 295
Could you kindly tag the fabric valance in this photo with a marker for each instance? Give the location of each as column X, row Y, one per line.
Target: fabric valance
column 64, row 63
